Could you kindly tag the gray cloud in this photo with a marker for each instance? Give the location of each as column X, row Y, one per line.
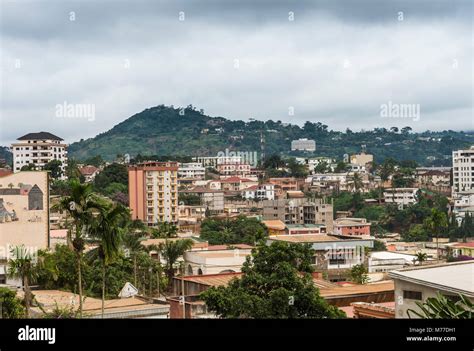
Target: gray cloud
column 337, row 62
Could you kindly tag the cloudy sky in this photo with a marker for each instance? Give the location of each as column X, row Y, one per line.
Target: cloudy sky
column 337, row 62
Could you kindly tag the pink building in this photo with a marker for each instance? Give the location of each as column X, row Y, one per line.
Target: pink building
column 352, row 227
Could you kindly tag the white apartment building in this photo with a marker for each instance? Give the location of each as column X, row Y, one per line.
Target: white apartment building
column 401, row 196
column 303, row 145
column 234, row 169
column 260, row 192
column 463, row 172
column 213, row 161
column 191, row 170
column 38, row 149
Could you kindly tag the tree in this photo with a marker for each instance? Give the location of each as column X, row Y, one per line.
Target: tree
column 132, row 243
column 241, row 230
column 276, row 283
column 114, row 173
column 165, row 230
column 420, row 257
column 171, row 250
column 436, row 223
column 106, row 233
column 297, row 170
column 55, row 167
column 11, row 306
column 95, row 161
column 356, row 181
column 23, row 265
column 79, row 205
column 321, row 167
column 442, row 307
column 359, row 274
column 341, row 167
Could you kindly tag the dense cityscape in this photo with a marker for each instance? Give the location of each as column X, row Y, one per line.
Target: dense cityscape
column 236, row 235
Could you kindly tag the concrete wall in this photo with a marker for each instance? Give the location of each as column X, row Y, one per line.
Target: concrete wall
column 402, row 305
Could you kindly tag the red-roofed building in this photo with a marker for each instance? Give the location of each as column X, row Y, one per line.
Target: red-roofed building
column 89, row 173
column 237, row 183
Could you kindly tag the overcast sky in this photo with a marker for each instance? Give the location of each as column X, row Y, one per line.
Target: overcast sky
column 331, row 61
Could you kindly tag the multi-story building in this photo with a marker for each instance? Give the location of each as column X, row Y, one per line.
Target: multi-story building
column 38, row 149
column 362, row 159
column 260, row 192
column 463, row 182
column 401, row 196
column 300, row 211
column 213, row 161
column 153, row 192
column 358, row 227
column 303, row 145
column 463, row 171
column 191, row 170
column 234, row 169
column 211, row 199
column 237, row 184
column 24, row 215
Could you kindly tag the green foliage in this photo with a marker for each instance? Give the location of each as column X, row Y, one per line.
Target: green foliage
column 296, row 169
column 442, row 307
column 189, row 199
column 113, row 173
column 95, row 161
column 379, row 246
column 10, row 306
column 359, row 274
column 54, row 167
column 165, row 230
column 276, row 284
column 241, row 230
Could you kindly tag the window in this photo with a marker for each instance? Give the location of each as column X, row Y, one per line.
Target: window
column 412, row 295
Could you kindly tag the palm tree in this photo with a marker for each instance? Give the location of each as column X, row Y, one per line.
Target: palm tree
column 132, row 239
column 442, row 307
column 421, row 257
column 436, row 222
column 106, row 233
column 171, row 250
column 79, row 205
column 24, row 266
column 357, row 182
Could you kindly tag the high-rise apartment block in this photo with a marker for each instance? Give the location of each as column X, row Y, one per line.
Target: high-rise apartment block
column 37, row 149
column 153, row 192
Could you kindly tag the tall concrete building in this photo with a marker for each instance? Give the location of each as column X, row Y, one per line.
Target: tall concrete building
column 300, row 211
column 463, row 171
column 463, row 182
column 153, row 192
column 38, row 149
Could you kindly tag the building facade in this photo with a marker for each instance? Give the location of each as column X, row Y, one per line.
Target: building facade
column 300, row 211
column 357, row 227
column 191, row 170
column 37, row 149
column 303, row 145
column 153, row 192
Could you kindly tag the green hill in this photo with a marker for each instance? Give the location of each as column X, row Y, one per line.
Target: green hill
column 163, row 130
